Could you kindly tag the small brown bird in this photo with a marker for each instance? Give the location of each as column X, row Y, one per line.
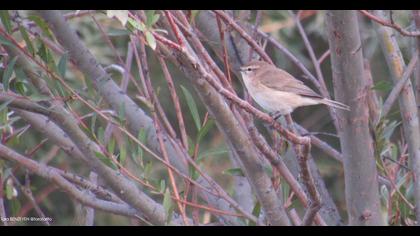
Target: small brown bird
column 278, row 92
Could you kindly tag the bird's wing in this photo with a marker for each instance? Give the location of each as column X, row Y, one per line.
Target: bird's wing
column 283, row 81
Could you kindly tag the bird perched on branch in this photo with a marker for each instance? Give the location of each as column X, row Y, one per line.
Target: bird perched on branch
column 278, row 92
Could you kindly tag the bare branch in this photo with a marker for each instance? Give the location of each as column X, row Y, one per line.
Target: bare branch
column 407, row 102
column 361, row 182
column 391, row 24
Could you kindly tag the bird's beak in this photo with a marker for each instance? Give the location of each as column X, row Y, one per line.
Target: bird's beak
column 241, row 69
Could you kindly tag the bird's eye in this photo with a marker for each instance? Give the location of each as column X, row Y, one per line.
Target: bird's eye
column 249, row 69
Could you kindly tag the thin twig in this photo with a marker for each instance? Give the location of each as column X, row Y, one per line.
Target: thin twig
column 311, row 52
column 293, row 58
column 175, row 100
column 225, row 54
column 26, row 190
column 277, row 162
column 390, row 24
column 393, row 95
column 258, row 18
column 174, row 27
column 231, row 22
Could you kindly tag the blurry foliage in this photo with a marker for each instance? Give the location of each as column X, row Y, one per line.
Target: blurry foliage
column 213, row 153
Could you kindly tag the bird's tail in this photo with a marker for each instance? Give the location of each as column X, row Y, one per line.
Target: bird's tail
column 335, row 104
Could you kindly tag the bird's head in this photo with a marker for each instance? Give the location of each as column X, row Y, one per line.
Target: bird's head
column 250, row 69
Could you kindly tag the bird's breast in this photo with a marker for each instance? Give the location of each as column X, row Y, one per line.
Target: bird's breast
column 279, row 101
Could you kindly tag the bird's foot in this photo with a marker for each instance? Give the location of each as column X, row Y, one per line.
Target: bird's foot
column 275, row 115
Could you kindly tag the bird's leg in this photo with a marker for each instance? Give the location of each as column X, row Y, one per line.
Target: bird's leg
column 291, row 124
column 275, row 115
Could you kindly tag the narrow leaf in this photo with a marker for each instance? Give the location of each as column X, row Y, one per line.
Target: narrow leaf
column 118, row 32
column 8, row 73
column 204, row 130
column 382, row 85
column 155, row 19
column 134, row 24
column 105, row 160
column 9, row 191
column 5, row 104
column 111, row 146
column 62, row 65
column 234, row 172
column 5, row 18
column 123, row 153
column 162, row 185
column 121, row 113
column 213, row 152
column 192, row 106
column 28, row 41
column 149, row 17
column 150, row 39
column 5, row 41
column 167, row 201
column 42, row 24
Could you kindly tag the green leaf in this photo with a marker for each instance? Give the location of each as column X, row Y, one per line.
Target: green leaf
column 212, row 152
column 389, row 129
column 20, row 87
column 191, row 146
column 42, row 25
column 15, row 207
column 383, row 86
column 60, row 89
column 37, row 97
column 4, row 121
column 90, row 88
column 162, row 186
column 194, row 13
column 123, row 153
column 9, row 191
column 148, row 169
column 150, row 39
column 111, row 146
column 168, row 206
column 118, row 32
column 151, row 18
column 62, row 65
column 234, row 172
column 106, row 160
column 134, row 24
column 285, row 189
column 46, row 56
column 93, row 124
column 8, row 73
column 155, row 19
column 5, row 41
column 394, row 151
column 121, row 113
column 28, row 41
column 5, row 18
column 204, row 130
column 192, row 106
column 101, row 133
column 255, row 212
column 193, row 173
column 138, row 154
column 6, row 103
column 21, row 75
column 167, row 201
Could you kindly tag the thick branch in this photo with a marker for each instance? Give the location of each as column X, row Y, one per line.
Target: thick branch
column 407, row 102
column 361, row 182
